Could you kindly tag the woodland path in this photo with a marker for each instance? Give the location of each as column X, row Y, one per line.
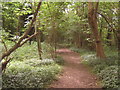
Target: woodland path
column 75, row 74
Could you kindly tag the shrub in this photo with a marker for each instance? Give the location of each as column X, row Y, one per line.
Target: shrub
column 88, row 57
column 92, row 60
column 23, row 75
column 77, row 50
column 109, row 77
column 64, row 45
column 27, row 71
column 82, row 51
column 26, row 52
column 47, row 50
column 97, row 69
column 36, row 62
column 59, row 60
column 30, row 51
column 107, row 68
column 111, row 60
column 47, row 61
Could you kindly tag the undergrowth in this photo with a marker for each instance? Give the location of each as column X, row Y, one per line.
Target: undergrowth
column 34, row 75
column 106, row 69
column 27, row 71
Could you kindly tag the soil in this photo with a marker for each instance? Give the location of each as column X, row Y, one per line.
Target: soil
column 74, row 74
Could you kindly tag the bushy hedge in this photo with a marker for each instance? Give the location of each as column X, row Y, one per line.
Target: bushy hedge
column 23, row 75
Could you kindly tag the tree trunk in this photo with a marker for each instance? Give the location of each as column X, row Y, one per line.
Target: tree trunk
column 39, row 45
column 55, row 40
column 38, row 39
column 92, row 18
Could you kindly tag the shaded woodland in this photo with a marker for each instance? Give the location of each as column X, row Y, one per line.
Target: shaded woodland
column 32, row 32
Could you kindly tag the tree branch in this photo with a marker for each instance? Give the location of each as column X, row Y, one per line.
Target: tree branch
column 4, row 45
column 28, row 39
column 32, row 22
column 106, row 21
column 24, row 35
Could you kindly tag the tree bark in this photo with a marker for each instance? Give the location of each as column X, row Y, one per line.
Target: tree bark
column 92, row 18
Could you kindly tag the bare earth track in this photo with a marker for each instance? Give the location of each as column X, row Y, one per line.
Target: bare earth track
column 75, row 74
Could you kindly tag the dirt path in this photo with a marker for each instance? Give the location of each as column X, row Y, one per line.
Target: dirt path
column 75, row 74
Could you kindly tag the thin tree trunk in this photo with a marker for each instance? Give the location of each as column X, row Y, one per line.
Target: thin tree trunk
column 92, row 17
column 38, row 40
column 38, row 37
column 55, row 42
column 39, row 44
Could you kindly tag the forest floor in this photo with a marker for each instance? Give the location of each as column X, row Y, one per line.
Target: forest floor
column 74, row 74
